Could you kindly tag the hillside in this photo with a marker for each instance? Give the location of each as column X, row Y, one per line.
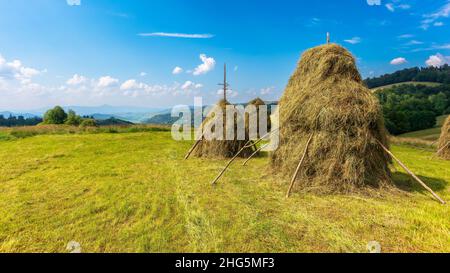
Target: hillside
column 133, row 192
column 414, row 74
column 432, row 134
column 404, row 83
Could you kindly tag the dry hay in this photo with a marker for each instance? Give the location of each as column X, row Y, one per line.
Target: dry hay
column 257, row 103
column 221, row 148
column 444, row 141
column 326, row 97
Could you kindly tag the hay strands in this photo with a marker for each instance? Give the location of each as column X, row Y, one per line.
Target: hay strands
column 443, row 148
column 193, row 148
column 294, row 177
column 250, row 143
column 257, row 151
column 411, row 173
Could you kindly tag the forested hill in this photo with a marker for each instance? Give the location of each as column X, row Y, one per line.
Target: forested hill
column 415, row 74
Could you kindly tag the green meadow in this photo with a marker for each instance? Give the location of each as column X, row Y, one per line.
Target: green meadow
column 128, row 191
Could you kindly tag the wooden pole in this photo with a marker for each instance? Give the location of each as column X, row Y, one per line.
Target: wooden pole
column 299, row 166
column 192, row 149
column 411, row 173
column 225, row 82
column 248, row 159
column 194, row 146
column 247, row 145
column 445, row 146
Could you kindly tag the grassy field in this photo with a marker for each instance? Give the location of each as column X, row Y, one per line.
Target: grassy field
column 133, row 192
column 414, row 83
column 431, row 134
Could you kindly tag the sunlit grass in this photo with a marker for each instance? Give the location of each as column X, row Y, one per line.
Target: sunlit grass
column 133, row 192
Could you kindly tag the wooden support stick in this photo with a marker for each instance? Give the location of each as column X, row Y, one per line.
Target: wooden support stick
column 299, row 166
column 257, row 151
column 445, row 146
column 193, row 147
column 250, row 143
column 411, row 173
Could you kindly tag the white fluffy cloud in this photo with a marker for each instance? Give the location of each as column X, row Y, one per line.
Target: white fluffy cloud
column 73, row 2
column 267, row 90
column 208, row 64
column 437, row 60
column 189, row 85
column 20, row 91
column 177, row 70
column 76, row 80
column 16, row 70
column 353, row 41
column 107, row 81
column 230, row 93
column 130, row 85
column 399, row 61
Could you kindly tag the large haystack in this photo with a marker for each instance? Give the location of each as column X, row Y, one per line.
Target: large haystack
column 222, row 148
column 326, row 98
column 444, row 141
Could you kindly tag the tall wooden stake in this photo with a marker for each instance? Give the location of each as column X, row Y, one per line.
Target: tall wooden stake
column 247, row 145
column 299, row 166
column 443, row 148
column 411, row 173
column 257, row 151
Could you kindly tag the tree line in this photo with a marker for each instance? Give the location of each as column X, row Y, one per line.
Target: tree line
column 424, row 74
column 57, row 116
column 13, row 121
column 409, row 107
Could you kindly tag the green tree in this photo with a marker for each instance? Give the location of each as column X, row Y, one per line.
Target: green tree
column 56, row 115
column 88, row 123
column 73, row 119
column 440, row 103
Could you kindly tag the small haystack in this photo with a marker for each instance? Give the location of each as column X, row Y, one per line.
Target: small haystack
column 221, row 148
column 257, row 103
column 328, row 112
column 444, row 141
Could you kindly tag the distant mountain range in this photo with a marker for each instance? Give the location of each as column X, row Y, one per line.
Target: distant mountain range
column 103, row 112
column 6, row 114
column 165, row 118
column 108, row 112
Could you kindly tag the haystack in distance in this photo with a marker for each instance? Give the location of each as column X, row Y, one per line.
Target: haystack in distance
column 444, row 141
column 326, row 101
column 222, row 148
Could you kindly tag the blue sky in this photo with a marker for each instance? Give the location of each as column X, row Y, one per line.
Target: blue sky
column 164, row 52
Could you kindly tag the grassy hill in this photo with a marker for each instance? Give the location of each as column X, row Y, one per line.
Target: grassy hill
column 403, row 83
column 133, row 192
column 432, row 134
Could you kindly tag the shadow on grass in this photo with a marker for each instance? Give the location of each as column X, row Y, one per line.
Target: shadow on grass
column 406, row 183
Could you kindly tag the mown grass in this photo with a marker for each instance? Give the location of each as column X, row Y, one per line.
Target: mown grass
column 133, row 192
column 9, row 133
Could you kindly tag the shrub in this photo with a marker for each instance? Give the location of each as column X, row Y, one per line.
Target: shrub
column 73, row 119
column 88, row 123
